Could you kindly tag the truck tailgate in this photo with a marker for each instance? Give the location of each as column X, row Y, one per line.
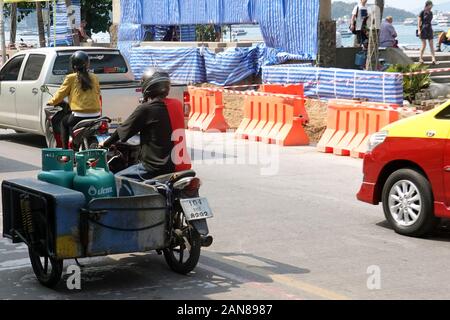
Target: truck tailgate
column 119, row 103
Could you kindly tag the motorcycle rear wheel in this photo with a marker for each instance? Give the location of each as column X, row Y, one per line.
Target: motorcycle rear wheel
column 175, row 254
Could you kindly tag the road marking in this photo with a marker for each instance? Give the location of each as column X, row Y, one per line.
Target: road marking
column 321, row 292
column 261, row 286
column 278, row 278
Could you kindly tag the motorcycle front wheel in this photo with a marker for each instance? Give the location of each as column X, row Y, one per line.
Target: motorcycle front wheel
column 49, row 137
column 183, row 254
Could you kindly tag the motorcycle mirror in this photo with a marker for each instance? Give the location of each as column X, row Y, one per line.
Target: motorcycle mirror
column 44, row 89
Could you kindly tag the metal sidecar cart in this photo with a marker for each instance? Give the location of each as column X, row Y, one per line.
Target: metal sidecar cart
column 57, row 224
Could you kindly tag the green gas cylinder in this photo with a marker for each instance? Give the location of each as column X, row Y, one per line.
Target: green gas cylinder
column 93, row 177
column 57, row 167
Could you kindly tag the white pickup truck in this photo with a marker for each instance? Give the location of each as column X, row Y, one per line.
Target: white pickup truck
column 22, row 102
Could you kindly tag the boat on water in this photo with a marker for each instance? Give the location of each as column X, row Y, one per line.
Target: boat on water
column 410, row 21
column 442, row 19
column 345, row 33
column 240, row 32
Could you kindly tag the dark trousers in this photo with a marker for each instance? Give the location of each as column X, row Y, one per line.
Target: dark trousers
column 67, row 124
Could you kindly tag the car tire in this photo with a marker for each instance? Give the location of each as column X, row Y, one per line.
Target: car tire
column 408, row 206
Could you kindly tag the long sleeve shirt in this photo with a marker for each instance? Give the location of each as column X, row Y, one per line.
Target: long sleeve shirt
column 387, row 35
column 80, row 101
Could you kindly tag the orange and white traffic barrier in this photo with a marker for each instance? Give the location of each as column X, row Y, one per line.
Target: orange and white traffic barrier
column 254, row 109
column 263, row 105
column 375, row 120
column 275, row 115
column 241, row 132
column 294, row 117
column 206, row 110
column 350, row 124
column 290, row 89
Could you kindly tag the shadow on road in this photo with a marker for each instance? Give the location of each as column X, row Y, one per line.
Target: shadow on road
column 147, row 276
column 9, row 165
column 441, row 233
column 31, row 140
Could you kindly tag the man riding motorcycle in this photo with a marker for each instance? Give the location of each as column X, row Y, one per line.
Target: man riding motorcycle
column 152, row 120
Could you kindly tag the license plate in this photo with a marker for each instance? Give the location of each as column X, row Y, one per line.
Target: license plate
column 196, row 208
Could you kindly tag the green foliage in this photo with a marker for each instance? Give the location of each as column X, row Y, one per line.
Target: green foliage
column 20, row 14
column 97, row 14
column 412, row 84
column 205, row 33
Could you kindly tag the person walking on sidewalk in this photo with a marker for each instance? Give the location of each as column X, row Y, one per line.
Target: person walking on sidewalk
column 425, row 30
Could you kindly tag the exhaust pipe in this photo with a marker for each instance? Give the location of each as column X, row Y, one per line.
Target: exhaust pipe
column 206, row 241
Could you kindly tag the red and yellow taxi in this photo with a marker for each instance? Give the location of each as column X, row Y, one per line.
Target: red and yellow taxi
column 407, row 168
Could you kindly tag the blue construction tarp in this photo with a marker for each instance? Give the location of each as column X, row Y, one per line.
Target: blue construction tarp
column 339, row 83
column 237, row 11
column 185, row 65
column 231, row 66
column 60, row 31
column 188, row 33
column 131, row 32
column 287, row 25
column 196, row 65
column 132, row 11
column 161, row 12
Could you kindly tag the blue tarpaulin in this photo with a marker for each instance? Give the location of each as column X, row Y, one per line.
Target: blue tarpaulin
column 185, row 65
column 287, row 25
column 230, row 66
column 196, row 65
column 339, row 83
column 132, row 11
column 61, row 28
column 161, row 12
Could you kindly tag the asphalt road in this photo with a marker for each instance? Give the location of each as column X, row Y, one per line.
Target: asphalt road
column 287, row 225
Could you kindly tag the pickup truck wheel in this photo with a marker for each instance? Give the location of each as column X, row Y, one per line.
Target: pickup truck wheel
column 408, row 203
column 49, row 137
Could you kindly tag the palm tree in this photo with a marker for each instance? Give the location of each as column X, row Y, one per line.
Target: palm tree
column 40, row 21
column 13, row 29
column 76, row 38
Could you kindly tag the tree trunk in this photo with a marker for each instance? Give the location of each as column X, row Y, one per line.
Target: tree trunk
column 13, row 29
column 41, row 28
column 76, row 38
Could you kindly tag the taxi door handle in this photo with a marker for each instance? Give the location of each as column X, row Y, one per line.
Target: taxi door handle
column 447, row 169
